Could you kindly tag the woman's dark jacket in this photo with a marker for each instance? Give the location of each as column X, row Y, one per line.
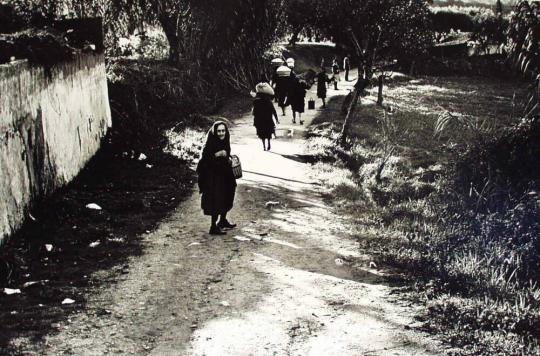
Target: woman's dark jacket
column 297, row 94
column 215, row 177
column 263, row 112
column 322, row 79
column 283, row 87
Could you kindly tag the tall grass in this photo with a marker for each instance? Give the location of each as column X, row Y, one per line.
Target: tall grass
column 475, row 263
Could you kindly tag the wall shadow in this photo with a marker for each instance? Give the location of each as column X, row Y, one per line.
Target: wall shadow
column 134, row 199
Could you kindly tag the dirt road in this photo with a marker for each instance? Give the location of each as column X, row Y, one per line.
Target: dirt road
column 290, row 280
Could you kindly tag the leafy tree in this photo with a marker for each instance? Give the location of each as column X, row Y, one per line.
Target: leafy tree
column 300, row 16
column 488, row 29
column 378, row 30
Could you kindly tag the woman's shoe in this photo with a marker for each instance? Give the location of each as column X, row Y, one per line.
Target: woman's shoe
column 215, row 230
column 225, row 224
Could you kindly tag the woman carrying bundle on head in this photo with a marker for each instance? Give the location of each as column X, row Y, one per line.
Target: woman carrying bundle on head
column 276, row 63
column 283, row 86
column 264, row 113
column 216, row 179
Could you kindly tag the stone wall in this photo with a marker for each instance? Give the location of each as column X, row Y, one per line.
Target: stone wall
column 52, row 121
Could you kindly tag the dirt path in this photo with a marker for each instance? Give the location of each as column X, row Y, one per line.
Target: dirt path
column 289, row 281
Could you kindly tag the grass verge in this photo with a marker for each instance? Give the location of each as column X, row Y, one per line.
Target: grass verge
column 401, row 177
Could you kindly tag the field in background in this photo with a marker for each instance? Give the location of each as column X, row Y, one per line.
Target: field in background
column 392, row 178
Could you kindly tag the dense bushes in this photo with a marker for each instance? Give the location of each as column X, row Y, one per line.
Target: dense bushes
column 45, row 46
column 147, row 97
column 504, row 166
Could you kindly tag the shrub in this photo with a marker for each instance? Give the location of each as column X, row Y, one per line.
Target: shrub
column 496, row 171
column 147, row 97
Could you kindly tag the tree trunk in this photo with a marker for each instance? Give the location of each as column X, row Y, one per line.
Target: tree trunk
column 171, row 32
column 347, row 122
column 411, row 69
column 366, row 68
column 359, row 87
column 380, row 98
column 294, row 37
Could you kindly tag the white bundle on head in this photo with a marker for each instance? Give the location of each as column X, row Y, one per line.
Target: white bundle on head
column 264, row 88
column 290, row 62
column 277, row 62
column 283, row 71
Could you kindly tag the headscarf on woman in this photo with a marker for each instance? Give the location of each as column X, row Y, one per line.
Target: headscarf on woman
column 213, row 143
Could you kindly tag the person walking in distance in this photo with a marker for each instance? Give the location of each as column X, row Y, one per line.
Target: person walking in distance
column 346, row 67
column 216, row 179
column 335, row 72
column 283, row 85
column 264, row 113
column 296, row 98
column 322, row 80
column 276, row 63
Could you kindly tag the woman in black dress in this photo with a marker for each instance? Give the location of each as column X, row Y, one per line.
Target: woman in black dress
column 216, row 180
column 283, row 82
column 263, row 113
column 322, row 80
column 296, row 98
column 335, row 71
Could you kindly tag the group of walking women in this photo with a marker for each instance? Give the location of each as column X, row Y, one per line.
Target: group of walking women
column 216, row 180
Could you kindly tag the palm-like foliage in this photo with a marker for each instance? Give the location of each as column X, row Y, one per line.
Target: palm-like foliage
column 524, row 54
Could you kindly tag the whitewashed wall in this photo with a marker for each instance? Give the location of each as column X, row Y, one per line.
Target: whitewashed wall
column 52, row 122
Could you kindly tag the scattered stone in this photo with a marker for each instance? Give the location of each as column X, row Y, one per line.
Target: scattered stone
column 10, row 291
column 271, row 204
column 48, row 247
column 93, row 206
column 94, row 244
column 142, row 157
column 31, row 283
column 68, row 301
column 241, row 238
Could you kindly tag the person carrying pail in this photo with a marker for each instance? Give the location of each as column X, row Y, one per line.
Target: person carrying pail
column 322, row 80
column 216, row 180
column 296, row 99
